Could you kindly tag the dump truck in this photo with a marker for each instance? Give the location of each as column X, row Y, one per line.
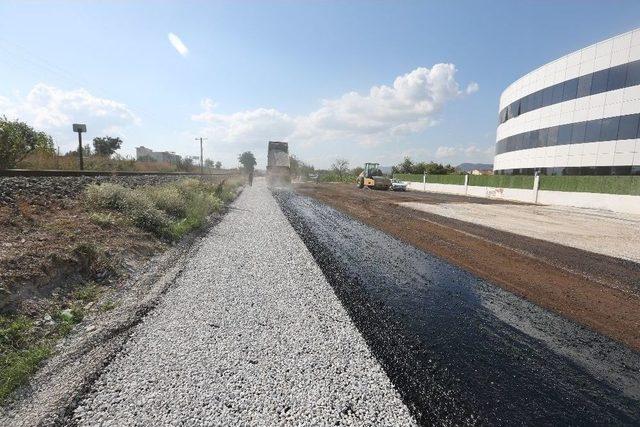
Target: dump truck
column 371, row 177
column 278, row 164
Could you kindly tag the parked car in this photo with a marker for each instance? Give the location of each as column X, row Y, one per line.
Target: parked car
column 397, row 185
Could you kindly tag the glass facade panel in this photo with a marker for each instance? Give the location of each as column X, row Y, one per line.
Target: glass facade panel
column 628, row 128
column 543, row 134
column 578, row 131
column 570, row 90
column 557, row 93
column 564, row 134
column 633, row 73
column 599, row 81
column 592, row 133
column 552, row 138
column 617, row 77
column 609, row 129
column 584, row 85
column 547, row 96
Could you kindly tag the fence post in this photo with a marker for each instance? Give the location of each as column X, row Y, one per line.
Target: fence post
column 536, row 185
column 424, row 181
column 466, row 183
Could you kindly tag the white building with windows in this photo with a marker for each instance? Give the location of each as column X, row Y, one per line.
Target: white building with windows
column 577, row 115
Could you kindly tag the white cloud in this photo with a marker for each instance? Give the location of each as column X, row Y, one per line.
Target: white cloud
column 54, row 110
column 247, row 126
column 384, row 114
column 472, row 87
column 178, row 45
column 465, row 153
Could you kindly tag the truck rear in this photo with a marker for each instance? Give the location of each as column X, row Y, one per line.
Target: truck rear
column 278, row 164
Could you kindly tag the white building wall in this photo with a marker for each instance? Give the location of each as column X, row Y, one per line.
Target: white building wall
column 608, row 53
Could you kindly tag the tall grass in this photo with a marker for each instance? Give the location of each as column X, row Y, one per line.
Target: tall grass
column 169, row 211
column 47, row 161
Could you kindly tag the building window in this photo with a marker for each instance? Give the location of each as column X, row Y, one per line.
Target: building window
column 633, row 74
column 628, row 128
column 557, row 93
column 592, row 133
column 547, row 96
column 564, row 134
column 599, row 81
column 578, row 131
column 609, row 129
column 570, row 89
column 617, row 77
column 584, row 85
column 543, row 134
column 552, row 138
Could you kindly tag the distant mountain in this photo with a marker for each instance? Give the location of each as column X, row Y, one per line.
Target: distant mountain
column 468, row 167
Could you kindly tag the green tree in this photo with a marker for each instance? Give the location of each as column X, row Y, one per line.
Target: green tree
column 406, row 166
column 18, row 140
column 247, row 160
column 431, row 168
column 106, row 145
column 218, row 164
column 208, row 163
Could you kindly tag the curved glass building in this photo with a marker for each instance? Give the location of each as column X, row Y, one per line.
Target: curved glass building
column 577, row 115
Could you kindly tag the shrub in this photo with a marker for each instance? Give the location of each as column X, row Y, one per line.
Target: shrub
column 103, row 219
column 135, row 204
column 169, row 211
column 168, row 199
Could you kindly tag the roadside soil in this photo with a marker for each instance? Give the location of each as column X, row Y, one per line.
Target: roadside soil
column 598, row 291
column 48, row 249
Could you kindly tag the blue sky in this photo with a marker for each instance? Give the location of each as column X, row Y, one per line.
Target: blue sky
column 299, row 71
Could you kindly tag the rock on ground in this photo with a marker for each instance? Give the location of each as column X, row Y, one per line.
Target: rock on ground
column 251, row 334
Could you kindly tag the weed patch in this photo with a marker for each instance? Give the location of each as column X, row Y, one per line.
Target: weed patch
column 168, row 211
column 18, row 365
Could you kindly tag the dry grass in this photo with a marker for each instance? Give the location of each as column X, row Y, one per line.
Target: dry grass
column 97, row 163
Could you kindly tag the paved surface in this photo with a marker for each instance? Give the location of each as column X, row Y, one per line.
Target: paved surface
column 603, row 232
column 251, row 334
column 459, row 349
column 599, row 291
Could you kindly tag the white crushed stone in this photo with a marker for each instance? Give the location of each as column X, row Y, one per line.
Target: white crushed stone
column 602, row 232
column 251, row 334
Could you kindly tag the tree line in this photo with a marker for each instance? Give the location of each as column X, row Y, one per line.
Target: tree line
column 18, row 140
column 432, row 168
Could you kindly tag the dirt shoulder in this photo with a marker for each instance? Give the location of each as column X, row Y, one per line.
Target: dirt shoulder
column 597, row 291
column 77, row 271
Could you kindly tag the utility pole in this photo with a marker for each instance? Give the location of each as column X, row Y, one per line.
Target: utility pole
column 201, row 159
column 77, row 127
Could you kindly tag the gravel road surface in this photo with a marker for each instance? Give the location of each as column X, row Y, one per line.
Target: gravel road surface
column 459, row 349
column 251, row 334
column 603, row 232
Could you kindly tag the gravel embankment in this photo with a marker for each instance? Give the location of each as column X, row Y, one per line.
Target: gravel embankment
column 251, row 334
